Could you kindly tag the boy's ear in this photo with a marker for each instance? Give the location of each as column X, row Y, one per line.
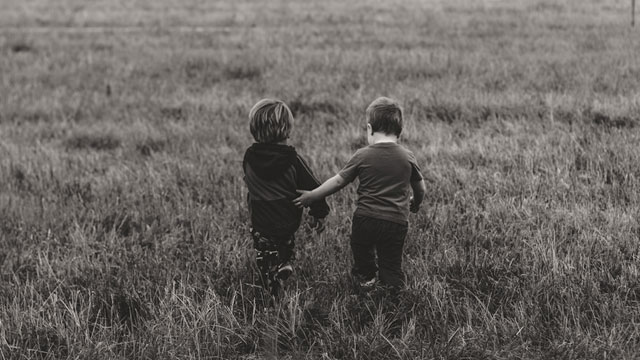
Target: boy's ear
column 369, row 129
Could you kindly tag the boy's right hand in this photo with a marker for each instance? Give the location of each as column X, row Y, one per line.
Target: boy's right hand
column 305, row 198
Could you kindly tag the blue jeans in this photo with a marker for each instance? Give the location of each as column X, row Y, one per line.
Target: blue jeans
column 386, row 238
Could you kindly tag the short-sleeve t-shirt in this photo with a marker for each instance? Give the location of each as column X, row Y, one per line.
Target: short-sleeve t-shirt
column 385, row 171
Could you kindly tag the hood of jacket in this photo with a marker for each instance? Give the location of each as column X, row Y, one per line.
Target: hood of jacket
column 270, row 160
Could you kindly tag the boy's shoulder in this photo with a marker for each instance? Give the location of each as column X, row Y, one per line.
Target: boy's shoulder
column 407, row 150
column 269, row 160
column 375, row 149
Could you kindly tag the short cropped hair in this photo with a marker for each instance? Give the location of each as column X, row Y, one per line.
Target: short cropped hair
column 270, row 121
column 385, row 115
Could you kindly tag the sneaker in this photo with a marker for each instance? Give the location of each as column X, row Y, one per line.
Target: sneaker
column 368, row 284
column 284, row 272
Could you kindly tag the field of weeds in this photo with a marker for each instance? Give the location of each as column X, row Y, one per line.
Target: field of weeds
column 123, row 222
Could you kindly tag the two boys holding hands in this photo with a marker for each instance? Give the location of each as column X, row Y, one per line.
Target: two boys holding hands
column 280, row 184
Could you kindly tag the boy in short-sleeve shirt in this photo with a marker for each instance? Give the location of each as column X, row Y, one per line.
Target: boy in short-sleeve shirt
column 387, row 174
column 385, row 171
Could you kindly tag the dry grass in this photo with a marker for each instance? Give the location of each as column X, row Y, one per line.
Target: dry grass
column 123, row 225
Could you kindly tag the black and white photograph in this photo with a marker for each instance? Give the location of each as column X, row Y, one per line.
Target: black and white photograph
column 306, row 179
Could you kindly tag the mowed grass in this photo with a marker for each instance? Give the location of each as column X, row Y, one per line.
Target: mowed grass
column 123, row 222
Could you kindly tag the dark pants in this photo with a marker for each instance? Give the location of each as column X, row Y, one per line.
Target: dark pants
column 370, row 236
column 271, row 254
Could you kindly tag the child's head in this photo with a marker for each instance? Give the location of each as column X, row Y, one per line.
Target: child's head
column 270, row 121
column 385, row 116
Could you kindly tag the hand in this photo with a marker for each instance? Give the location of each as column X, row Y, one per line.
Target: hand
column 316, row 224
column 413, row 207
column 305, row 198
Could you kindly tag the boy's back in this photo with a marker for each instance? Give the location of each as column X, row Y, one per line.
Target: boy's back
column 385, row 171
column 273, row 172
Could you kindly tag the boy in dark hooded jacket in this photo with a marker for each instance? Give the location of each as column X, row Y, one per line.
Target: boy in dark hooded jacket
column 272, row 172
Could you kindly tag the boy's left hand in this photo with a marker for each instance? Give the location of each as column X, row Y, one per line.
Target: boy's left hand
column 413, row 207
column 316, row 224
column 305, row 198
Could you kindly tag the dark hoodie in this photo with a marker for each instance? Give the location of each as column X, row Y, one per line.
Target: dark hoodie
column 272, row 173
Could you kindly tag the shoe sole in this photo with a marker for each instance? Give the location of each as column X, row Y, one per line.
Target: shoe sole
column 368, row 284
column 283, row 274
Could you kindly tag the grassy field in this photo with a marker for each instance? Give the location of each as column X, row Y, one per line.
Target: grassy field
column 123, row 224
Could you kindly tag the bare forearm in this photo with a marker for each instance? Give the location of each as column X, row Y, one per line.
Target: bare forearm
column 419, row 190
column 329, row 187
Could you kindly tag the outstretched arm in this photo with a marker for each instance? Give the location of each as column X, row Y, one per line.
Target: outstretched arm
column 327, row 188
column 307, row 181
column 419, row 189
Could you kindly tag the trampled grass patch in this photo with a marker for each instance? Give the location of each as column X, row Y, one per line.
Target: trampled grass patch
column 308, row 107
column 17, row 46
column 207, row 70
column 93, row 141
column 150, row 146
